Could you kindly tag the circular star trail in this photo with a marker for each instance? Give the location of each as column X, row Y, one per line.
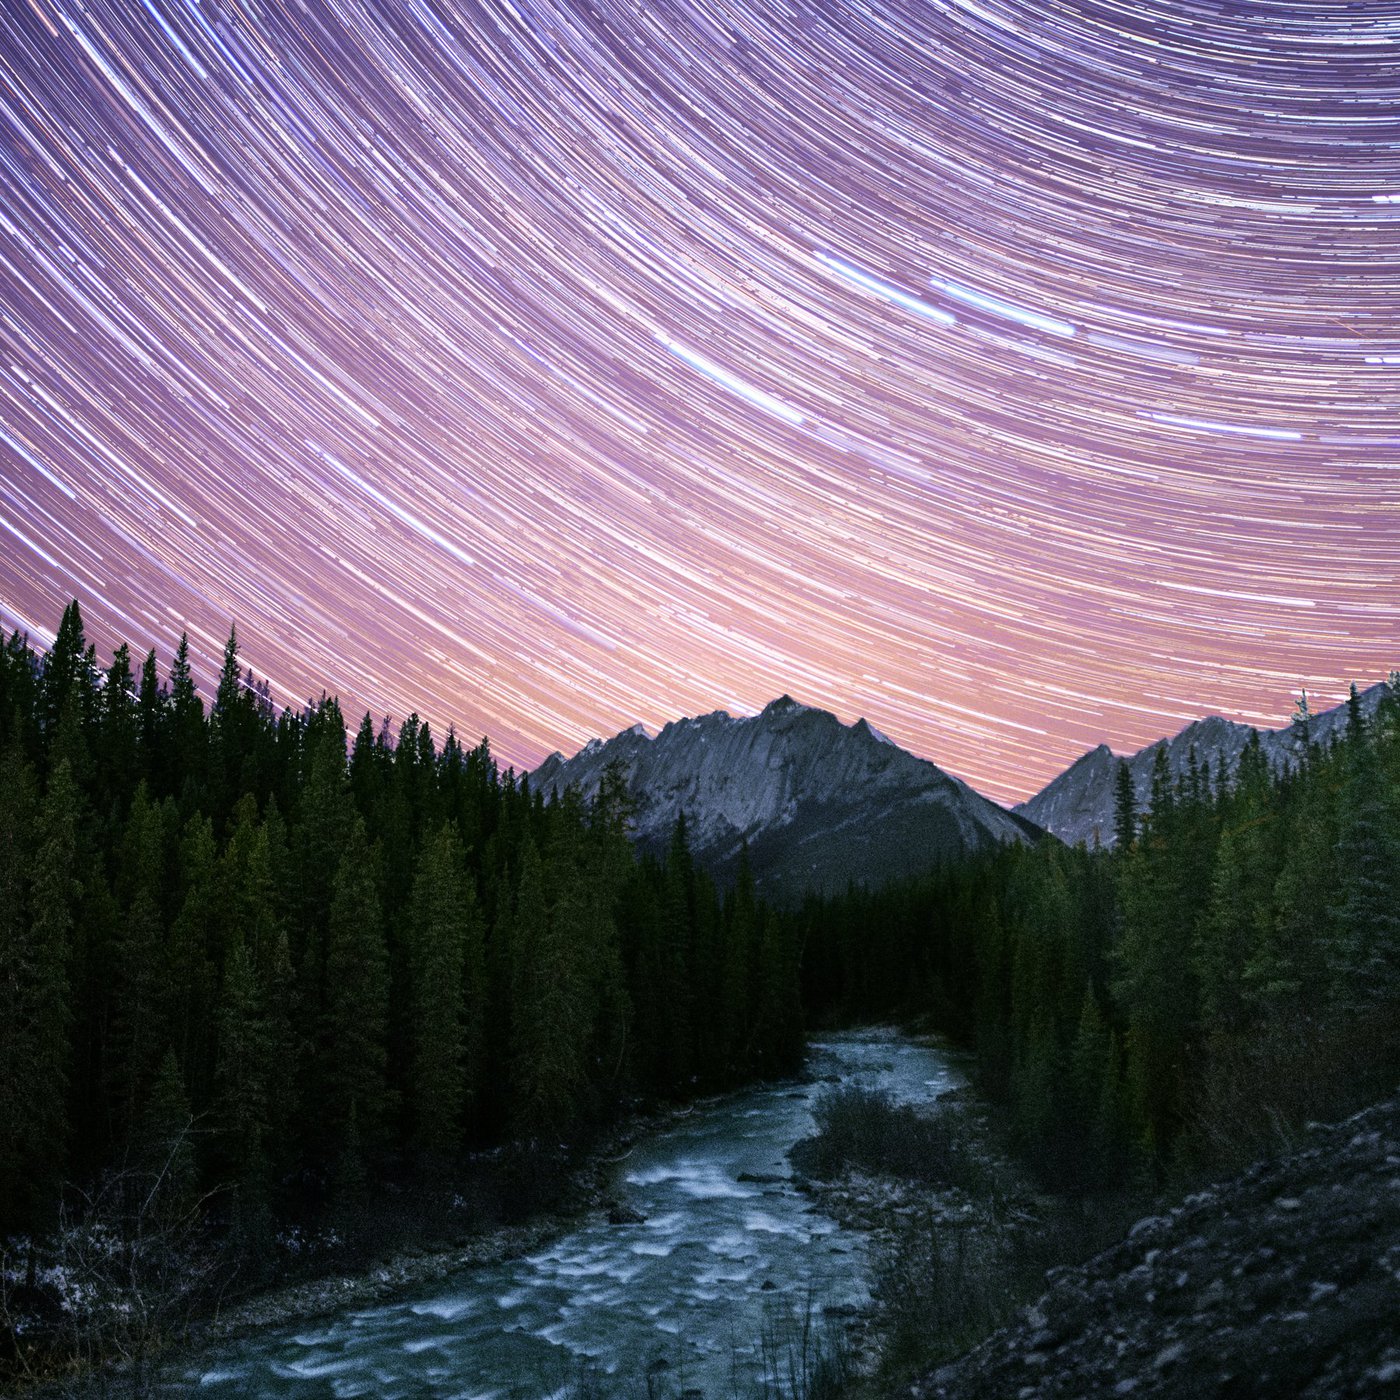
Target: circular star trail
column 1014, row 374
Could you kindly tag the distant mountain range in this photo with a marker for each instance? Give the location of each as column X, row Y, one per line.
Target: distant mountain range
column 1078, row 805
column 820, row 803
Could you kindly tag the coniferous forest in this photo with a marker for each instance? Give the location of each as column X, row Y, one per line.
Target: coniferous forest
column 274, row 967
column 1184, row 1001
column 257, row 973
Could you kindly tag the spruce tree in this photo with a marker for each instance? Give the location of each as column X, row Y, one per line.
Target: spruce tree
column 1285, row 970
column 246, row 1076
column 163, row 1144
column 232, row 725
column 65, row 678
column 152, row 724
column 187, row 750
column 551, row 1021
column 1356, row 724
column 38, row 893
column 1124, row 808
column 352, row 1045
column 117, row 756
column 1230, row 929
column 445, row 937
column 1364, row 941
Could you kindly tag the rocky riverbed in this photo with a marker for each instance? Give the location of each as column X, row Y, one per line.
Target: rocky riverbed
column 699, row 1268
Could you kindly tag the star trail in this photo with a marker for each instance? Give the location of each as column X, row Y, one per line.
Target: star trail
column 1014, row 373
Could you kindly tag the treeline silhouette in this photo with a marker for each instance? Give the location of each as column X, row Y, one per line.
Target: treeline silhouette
column 1230, row 969
column 276, row 968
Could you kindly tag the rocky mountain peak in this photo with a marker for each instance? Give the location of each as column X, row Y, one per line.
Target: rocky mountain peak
column 819, row 802
column 783, row 705
column 1078, row 806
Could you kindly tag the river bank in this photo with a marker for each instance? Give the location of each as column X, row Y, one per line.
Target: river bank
column 963, row 1234
column 686, row 1252
column 336, row 1287
column 585, row 1194
column 713, row 1271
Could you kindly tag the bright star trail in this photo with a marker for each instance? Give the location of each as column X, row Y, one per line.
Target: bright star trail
column 1015, row 373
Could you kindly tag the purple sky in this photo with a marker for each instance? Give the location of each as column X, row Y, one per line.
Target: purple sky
column 1015, row 373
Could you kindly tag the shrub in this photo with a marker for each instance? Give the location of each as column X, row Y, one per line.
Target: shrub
column 865, row 1130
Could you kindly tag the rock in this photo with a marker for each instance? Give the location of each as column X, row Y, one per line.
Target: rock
column 624, row 1215
column 762, row 1178
column 1168, row 1356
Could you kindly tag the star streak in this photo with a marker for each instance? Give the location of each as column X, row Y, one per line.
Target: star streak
column 1017, row 375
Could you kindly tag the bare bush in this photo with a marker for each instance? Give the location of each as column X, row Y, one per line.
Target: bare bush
column 100, row 1299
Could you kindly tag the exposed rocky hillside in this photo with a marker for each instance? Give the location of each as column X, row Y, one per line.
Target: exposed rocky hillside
column 1284, row 1282
column 820, row 803
column 1078, row 805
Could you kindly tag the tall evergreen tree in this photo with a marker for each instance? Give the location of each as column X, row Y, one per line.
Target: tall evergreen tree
column 446, row 983
column 1364, row 943
column 38, row 895
column 552, row 1018
column 65, row 677
column 1124, row 807
column 117, row 760
column 352, row 1052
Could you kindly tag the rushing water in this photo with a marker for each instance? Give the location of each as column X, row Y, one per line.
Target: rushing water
column 681, row 1302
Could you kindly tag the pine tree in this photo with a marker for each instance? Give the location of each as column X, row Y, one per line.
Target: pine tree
column 245, row 1074
column 194, row 950
column 38, row 893
column 352, row 1045
column 1124, row 808
column 1237, row 911
column 552, row 1020
column 1301, row 728
column 232, row 726
column 1153, row 981
column 1088, row 1057
column 152, row 723
column 65, row 678
column 163, row 1142
column 117, row 763
column 134, row 1043
column 1285, row 971
column 1356, row 724
column 19, row 690
column 445, row 996
column 188, row 737
column 1364, row 940
column 254, row 1053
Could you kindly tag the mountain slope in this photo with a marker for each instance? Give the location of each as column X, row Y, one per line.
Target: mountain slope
column 1078, row 805
column 1280, row 1282
column 820, row 803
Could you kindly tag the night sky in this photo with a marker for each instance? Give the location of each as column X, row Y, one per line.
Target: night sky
column 1015, row 373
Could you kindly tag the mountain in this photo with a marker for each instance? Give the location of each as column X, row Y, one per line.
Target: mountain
column 1078, row 805
column 819, row 802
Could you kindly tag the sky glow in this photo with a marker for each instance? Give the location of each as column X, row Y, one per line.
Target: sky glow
column 1016, row 375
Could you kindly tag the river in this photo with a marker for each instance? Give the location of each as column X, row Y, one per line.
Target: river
column 680, row 1302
